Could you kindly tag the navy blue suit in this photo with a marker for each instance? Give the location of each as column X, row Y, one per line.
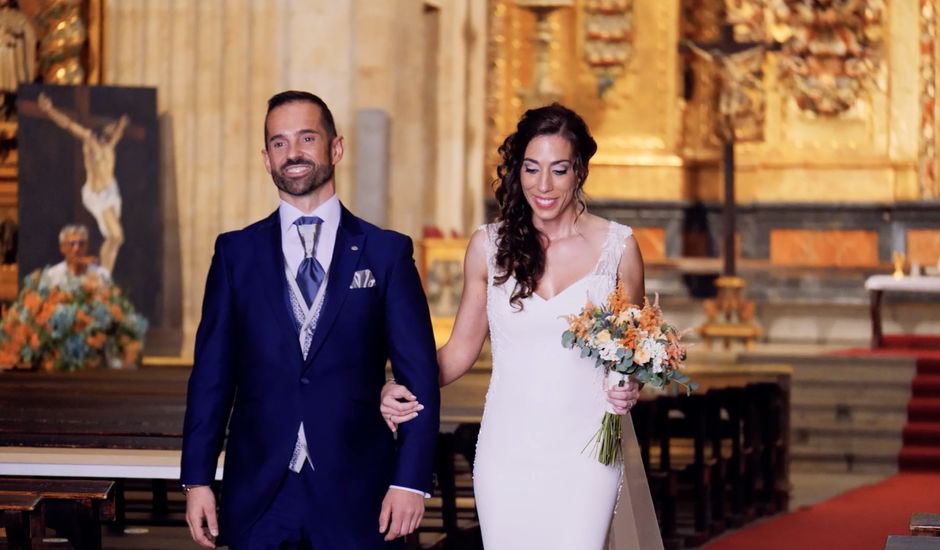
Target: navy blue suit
column 248, row 363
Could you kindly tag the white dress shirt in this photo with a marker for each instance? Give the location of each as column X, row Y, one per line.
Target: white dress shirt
column 58, row 274
column 292, row 245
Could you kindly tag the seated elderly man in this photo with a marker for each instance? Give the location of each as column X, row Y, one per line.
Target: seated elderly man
column 73, row 243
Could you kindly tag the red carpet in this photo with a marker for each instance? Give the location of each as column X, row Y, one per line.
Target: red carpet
column 857, row 520
column 921, row 450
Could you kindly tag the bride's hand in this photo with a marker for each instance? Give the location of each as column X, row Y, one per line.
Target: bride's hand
column 398, row 405
column 623, row 398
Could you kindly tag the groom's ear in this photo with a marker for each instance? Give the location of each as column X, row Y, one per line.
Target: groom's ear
column 337, row 148
column 266, row 159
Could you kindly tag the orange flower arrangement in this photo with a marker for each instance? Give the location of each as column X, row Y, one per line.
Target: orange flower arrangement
column 626, row 340
column 83, row 323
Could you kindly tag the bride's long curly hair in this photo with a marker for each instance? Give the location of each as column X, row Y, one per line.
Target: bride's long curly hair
column 519, row 251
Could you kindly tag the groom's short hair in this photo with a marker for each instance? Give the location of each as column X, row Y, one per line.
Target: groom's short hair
column 291, row 96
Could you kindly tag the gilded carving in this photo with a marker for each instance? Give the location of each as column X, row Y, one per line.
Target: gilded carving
column 927, row 161
column 746, row 18
column 608, row 39
column 63, row 37
column 832, row 50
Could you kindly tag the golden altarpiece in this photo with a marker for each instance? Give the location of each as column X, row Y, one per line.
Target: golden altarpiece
column 52, row 41
column 833, row 113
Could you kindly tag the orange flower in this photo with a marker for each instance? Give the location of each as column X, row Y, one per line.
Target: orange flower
column 82, row 320
column 34, row 340
column 629, row 337
column 580, row 324
column 96, row 340
column 48, row 364
column 45, row 313
column 8, row 357
column 32, row 302
column 116, row 313
column 618, row 298
column 650, row 316
column 55, row 296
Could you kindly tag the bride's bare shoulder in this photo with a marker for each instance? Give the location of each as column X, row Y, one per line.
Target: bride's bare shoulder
column 595, row 225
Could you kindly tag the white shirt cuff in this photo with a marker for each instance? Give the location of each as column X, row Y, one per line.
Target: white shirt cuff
column 410, row 490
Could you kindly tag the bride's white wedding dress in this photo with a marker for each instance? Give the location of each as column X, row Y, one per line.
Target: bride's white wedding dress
column 536, row 479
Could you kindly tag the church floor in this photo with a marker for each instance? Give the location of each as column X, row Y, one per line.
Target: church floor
column 809, row 488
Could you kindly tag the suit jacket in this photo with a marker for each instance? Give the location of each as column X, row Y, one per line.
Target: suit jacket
column 248, row 364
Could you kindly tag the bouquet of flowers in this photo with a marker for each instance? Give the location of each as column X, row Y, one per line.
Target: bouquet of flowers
column 626, row 340
column 82, row 322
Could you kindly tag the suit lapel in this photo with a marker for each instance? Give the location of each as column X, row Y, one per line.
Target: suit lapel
column 346, row 253
column 271, row 271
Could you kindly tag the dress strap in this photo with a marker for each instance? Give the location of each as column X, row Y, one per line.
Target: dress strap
column 490, row 249
column 613, row 248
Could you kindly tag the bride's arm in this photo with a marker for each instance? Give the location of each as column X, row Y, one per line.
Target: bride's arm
column 631, row 271
column 462, row 349
column 466, row 340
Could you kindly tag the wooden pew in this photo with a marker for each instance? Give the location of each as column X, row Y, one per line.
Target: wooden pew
column 663, row 484
column 21, row 520
column 774, row 417
column 93, row 501
column 925, row 525
column 684, row 418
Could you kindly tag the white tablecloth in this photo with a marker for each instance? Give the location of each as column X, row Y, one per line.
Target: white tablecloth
column 905, row 284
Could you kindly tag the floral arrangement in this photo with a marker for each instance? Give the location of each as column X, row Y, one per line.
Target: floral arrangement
column 83, row 322
column 626, row 340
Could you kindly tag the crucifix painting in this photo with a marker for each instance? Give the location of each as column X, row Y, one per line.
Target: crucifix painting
column 100, row 193
column 90, row 155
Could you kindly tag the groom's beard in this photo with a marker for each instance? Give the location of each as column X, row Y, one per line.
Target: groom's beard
column 304, row 185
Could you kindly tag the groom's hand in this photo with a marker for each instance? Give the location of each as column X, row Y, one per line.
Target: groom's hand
column 200, row 505
column 401, row 513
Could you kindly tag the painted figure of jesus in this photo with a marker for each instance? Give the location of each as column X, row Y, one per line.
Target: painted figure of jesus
column 100, row 193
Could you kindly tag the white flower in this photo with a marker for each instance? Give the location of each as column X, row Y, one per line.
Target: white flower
column 602, row 336
column 650, row 351
column 608, row 350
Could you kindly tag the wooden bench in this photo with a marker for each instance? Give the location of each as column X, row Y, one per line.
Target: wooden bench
column 93, row 501
column 925, row 525
column 21, row 520
column 899, row 542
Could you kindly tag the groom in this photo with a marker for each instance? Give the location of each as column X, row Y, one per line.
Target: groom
column 302, row 311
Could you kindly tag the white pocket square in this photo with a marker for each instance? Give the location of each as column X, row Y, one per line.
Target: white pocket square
column 362, row 279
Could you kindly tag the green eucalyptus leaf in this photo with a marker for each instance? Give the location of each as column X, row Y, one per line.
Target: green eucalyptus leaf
column 567, row 339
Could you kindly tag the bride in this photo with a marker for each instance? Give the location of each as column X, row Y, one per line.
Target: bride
column 536, row 481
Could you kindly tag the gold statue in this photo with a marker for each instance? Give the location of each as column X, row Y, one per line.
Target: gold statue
column 100, row 193
column 17, row 49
